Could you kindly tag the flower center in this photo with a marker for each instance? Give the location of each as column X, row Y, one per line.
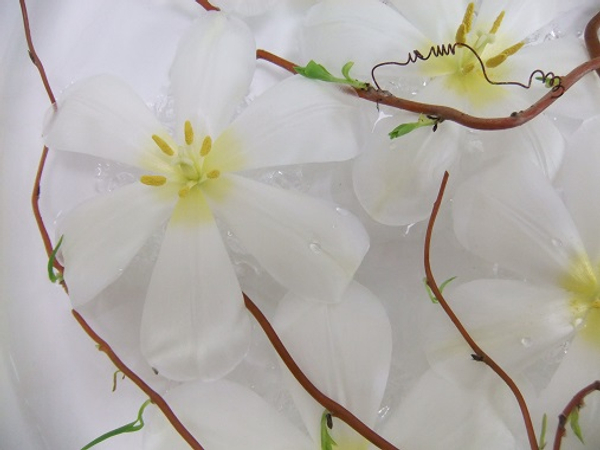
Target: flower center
column 466, row 74
column 583, row 282
column 187, row 162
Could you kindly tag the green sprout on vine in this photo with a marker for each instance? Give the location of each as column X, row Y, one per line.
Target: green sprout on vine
column 432, row 296
column 54, row 275
column 574, row 423
column 136, row 425
column 422, row 121
column 316, row 71
column 542, row 439
column 327, row 442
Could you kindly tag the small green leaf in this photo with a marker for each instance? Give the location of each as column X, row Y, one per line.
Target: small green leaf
column 54, row 275
column 327, row 442
column 432, row 297
column 550, row 81
column 136, row 425
column 405, row 128
column 316, row 71
column 542, row 440
column 574, row 422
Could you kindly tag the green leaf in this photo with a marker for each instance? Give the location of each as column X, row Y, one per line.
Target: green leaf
column 327, row 442
column 542, row 439
column 405, row 128
column 136, row 425
column 54, row 275
column 432, row 297
column 574, row 423
column 549, row 81
column 316, row 71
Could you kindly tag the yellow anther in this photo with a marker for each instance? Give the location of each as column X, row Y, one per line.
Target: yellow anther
column 468, row 17
column 468, row 68
column 184, row 191
column 166, row 148
column 497, row 23
column 206, row 146
column 153, row 180
column 189, row 132
column 213, row 174
column 461, row 34
column 495, row 61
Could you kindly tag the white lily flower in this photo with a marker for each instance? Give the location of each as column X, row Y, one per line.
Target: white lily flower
column 512, row 215
column 345, row 350
column 369, row 32
column 194, row 323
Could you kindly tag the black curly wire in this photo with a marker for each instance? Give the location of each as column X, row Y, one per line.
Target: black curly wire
column 548, row 78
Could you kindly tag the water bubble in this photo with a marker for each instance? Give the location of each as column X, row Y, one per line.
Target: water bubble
column 315, row 247
column 408, row 228
column 341, row 211
column 557, row 242
column 526, row 342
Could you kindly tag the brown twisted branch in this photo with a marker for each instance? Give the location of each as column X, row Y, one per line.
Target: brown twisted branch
column 479, row 354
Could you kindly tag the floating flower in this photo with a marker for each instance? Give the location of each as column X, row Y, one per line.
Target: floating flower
column 512, row 215
column 194, row 323
column 397, row 181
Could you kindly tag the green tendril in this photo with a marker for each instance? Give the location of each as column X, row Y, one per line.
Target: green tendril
column 54, row 275
column 423, row 121
column 574, row 423
column 136, row 425
column 316, row 71
column 327, row 442
column 542, row 439
column 549, row 82
column 432, row 297
column 114, row 388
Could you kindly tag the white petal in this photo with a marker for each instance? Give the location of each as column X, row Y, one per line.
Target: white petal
column 344, row 349
column 102, row 235
column 396, row 181
column 440, row 415
column 245, row 7
column 537, row 141
column 297, row 121
column 103, row 117
column 578, row 178
column 212, row 71
column 436, row 19
column 516, row 323
column 511, row 215
column 363, row 31
column 223, row 416
column 194, row 323
column 306, row 244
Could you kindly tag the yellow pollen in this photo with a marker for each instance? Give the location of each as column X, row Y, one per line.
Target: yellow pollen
column 461, row 34
column 153, row 180
column 213, row 174
column 206, row 146
column 497, row 23
column 189, row 132
column 495, row 61
column 166, row 149
column 468, row 17
column 184, row 191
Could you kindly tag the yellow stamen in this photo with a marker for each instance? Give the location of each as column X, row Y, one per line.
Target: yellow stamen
column 213, row 174
column 153, row 180
column 461, row 34
column 184, row 191
column 497, row 23
column 206, row 146
column 166, row 149
column 468, row 17
column 495, row 61
column 189, row 132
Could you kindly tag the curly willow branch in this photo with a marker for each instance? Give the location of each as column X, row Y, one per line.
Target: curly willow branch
column 479, row 355
column 515, row 119
column 207, row 5
column 576, row 402
column 103, row 346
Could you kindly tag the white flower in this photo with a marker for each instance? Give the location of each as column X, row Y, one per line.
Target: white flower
column 512, row 215
column 397, row 181
column 194, row 323
column 345, row 350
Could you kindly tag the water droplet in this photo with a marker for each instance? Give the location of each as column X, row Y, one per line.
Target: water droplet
column 577, row 322
column 408, row 228
column 341, row 211
column 526, row 342
column 556, row 242
column 315, row 247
